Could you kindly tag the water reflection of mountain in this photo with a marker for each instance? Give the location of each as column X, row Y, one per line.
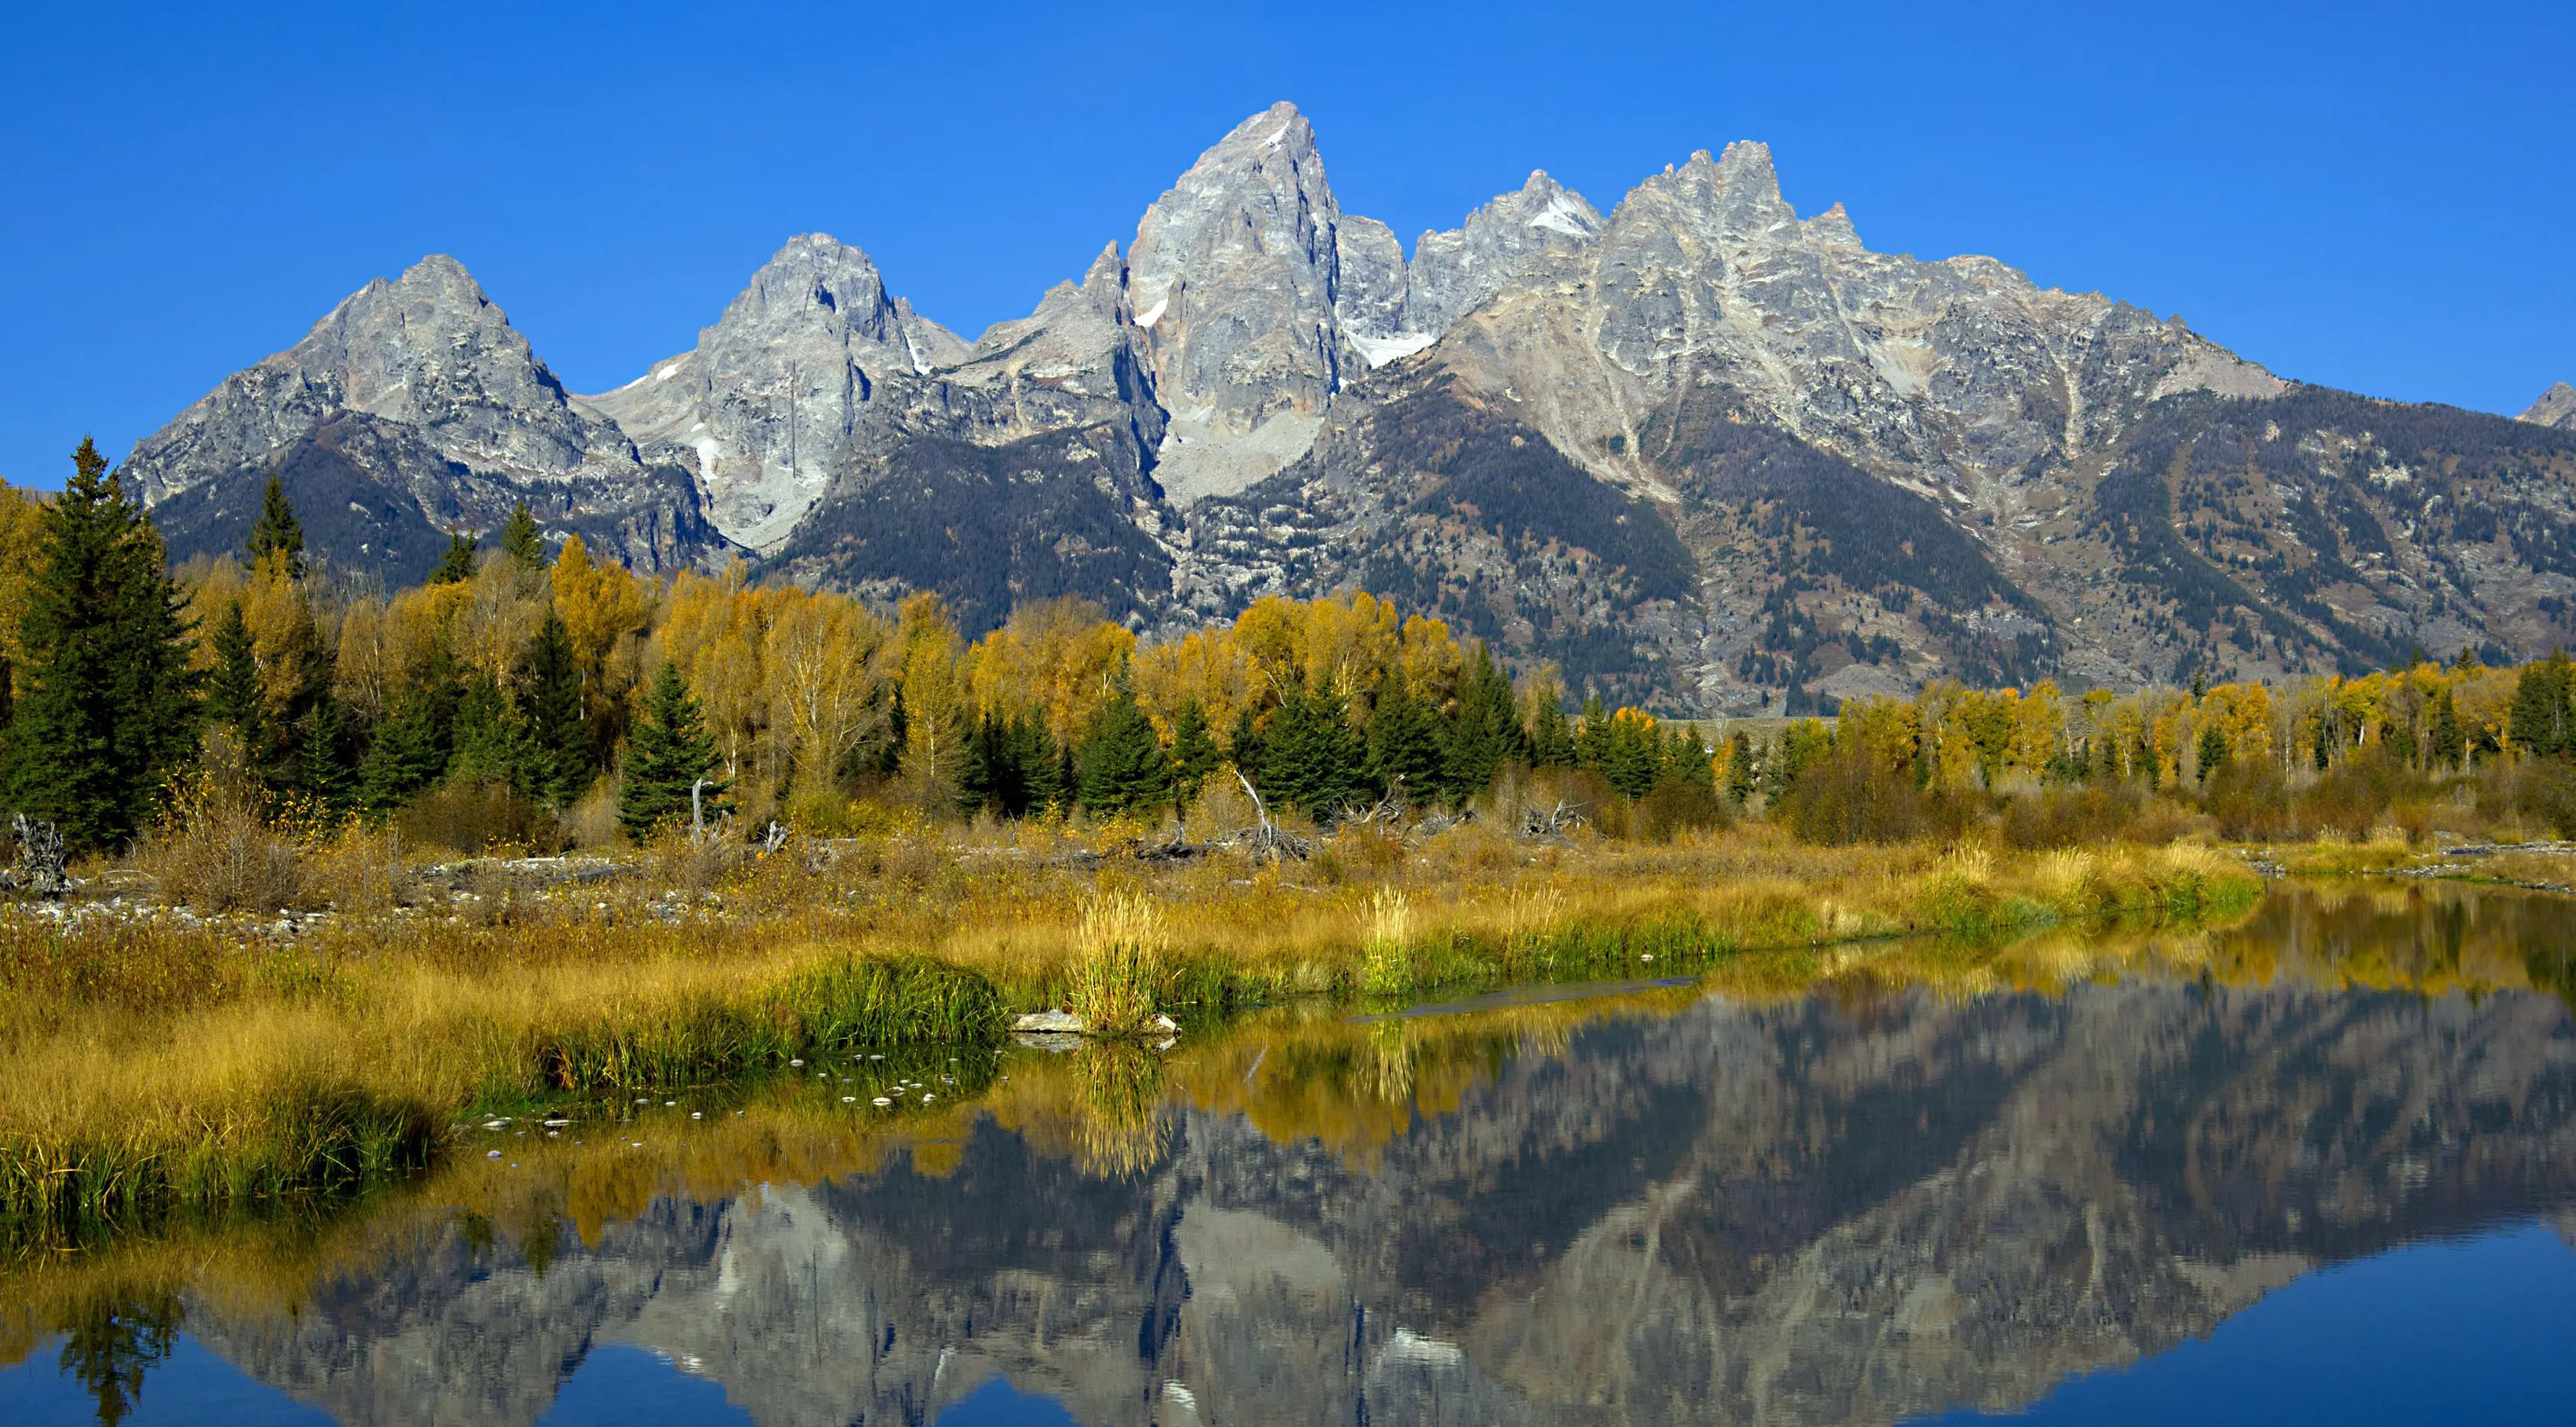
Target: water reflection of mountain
column 1811, row 1211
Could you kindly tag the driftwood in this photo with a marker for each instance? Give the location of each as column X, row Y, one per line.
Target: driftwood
column 40, row 867
column 1268, row 842
column 1558, row 821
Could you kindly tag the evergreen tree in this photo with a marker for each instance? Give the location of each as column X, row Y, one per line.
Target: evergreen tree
column 981, row 786
column 235, row 697
column 1739, row 768
column 1312, row 760
column 2539, row 717
column 457, row 565
column 110, row 708
column 1485, row 730
column 1551, row 739
column 1404, row 745
column 1244, row 748
column 411, row 751
column 278, row 535
column 2450, row 746
column 668, row 754
column 522, row 541
column 1123, row 766
column 1194, row 754
column 1592, row 737
column 491, row 743
column 325, row 769
column 2213, row 751
column 1631, row 755
column 550, row 708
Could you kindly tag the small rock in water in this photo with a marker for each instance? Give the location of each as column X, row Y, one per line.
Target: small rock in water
column 795, row 1062
column 1041, row 1022
column 493, row 1154
column 882, row 1100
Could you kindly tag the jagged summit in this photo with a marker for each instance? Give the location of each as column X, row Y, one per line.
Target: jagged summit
column 1700, row 451
column 2556, row 407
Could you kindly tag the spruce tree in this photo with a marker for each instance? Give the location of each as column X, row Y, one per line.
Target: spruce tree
column 1551, row 739
column 323, row 765
column 410, row 752
column 2213, row 751
column 457, row 565
column 1404, row 745
column 560, row 766
column 1631, row 755
column 669, row 754
column 1739, row 769
column 1244, row 747
column 2540, row 714
column 1194, row 754
column 522, row 541
column 1484, row 732
column 278, row 535
column 2450, row 745
column 1592, row 738
column 491, row 742
column 1312, row 760
column 110, row 709
column 1124, row 769
column 235, row 697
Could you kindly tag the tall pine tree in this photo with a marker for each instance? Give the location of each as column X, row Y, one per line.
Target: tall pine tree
column 456, row 566
column 1194, row 754
column 522, row 541
column 1311, row 758
column 235, row 697
column 1484, row 732
column 278, row 535
column 1123, row 766
column 560, row 766
column 1404, row 745
column 110, row 709
column 669, row 754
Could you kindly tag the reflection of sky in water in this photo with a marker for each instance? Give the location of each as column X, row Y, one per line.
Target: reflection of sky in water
column 2254, row 1175
column 2456, row 1332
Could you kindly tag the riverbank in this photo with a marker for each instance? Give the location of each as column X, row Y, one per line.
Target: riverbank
column 160, row 1062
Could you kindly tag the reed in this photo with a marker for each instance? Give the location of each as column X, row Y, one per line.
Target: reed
column 1121, row 937
column 156, row 1065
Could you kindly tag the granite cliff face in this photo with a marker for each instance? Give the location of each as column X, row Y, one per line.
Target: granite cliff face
column 2556, row 407
column 1703, row 453
column 416, row 406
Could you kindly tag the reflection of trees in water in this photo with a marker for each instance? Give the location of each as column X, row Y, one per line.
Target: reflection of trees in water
column 1851, row 1205
column 112, row 1339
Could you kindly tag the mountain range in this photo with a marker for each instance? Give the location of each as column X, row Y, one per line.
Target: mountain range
column 1704, row 454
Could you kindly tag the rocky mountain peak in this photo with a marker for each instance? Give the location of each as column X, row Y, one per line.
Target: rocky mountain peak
column 2556, row 407
column 1235, row 275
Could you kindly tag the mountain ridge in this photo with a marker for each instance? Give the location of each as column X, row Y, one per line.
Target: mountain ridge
column 1220, row 411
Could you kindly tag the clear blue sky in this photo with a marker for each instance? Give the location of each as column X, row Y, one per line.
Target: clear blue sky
column 2373, row 196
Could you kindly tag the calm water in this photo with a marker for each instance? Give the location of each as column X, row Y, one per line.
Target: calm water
column 2317, row 1168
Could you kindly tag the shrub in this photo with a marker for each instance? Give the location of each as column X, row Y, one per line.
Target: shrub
column 476, row 817
column 225, row 845
column 1852, row 796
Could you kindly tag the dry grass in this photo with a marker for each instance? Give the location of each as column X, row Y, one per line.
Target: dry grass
column 154, row 1064
column 1120, row 938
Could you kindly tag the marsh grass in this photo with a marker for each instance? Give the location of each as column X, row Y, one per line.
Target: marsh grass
column 155, row 1066
column 1119, row 939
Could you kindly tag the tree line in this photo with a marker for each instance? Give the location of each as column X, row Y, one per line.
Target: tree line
column 568, row 682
